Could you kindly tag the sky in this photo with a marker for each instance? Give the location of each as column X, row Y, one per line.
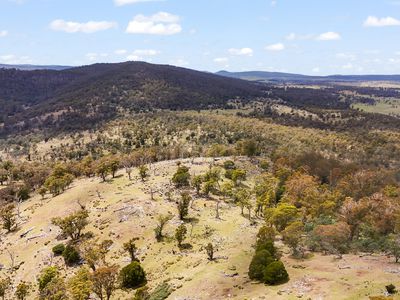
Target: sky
column 316, row 37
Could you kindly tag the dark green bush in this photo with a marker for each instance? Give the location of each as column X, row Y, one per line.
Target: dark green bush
column 275, row 273
column 266, row 245
column 258, row 264
column 132, row 276
column 229, row 165
column 228, row 174
column 71, row 255
column 181, row 177
column 46, row 276
column 391, row 289
column 58, row 249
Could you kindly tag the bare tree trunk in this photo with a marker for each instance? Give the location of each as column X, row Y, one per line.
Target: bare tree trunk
column 217, row 210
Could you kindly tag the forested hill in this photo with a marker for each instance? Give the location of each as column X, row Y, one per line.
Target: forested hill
column 70, row 98
column 289, row 77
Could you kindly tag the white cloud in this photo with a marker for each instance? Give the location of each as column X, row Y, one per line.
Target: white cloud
column 146, row 52
column 316, row 70
column 142, row 54
column 161, row 23
column 3, row 33
column 221, row 60
column 96, row 56
column 88, row 27
column 14, row 59
column 120, row 51
column 275, row 47
column 372, row 21
column 298, row 37
column 348, row 66
column 242, row 51
column 17, row 1
column 180, row 62
column 329, row 36
column 274, row 3
column 125, row 2
column 394, row 60
column 347, row 56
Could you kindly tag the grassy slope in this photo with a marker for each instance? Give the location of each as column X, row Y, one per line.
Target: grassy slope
column 390, row 107
column 188, row 271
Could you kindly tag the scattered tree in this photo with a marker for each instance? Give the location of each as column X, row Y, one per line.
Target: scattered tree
column 104, row 281
column 73, row 224
column 210, row 251
column 162, row 221
column 143, row 172
column 8, row 217
column 94, row 253
column 131, row 248
column 80, row 285
column 132, row 276
column 180, row 234
column 183, row 205
column 181, row 177
column 22, row 291
column 238, row 176
column 292, row 236
column 197, row 182
column 4, row 286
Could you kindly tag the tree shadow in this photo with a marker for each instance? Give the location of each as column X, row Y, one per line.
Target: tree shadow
column 185, row 246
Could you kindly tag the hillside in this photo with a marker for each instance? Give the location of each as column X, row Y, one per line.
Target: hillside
column 73, row 97
column 289, row 77
column 34, row 67
column 121, row 209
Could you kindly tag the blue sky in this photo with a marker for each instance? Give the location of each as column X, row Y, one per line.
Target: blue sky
column 308, row 36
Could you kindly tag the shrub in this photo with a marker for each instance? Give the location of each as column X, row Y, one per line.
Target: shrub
column 210, row 251
column 275, row 273
column 258, row 264
column 58, row 249
column 162, row 221
column 22, row 290
column 71, row 255
column 47, row 275
column 266, row 233
column 228, row 174
column 161, row 292
column 391, row 289
column 181, row 177
column 238, row 175
column 80, row 285
column 264, row 164
column 266, row 245
column 180, row 234
column 183, row 205
column 132, row 276
column 229, row 165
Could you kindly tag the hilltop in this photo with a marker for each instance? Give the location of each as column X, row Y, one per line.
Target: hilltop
column 71, row 98
column 120, row 209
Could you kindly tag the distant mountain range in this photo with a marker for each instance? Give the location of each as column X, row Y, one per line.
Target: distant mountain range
column 262, row 76
column 288, row 77
column 33, row 67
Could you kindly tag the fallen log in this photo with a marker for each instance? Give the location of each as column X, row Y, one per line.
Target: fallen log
column 22, row 235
